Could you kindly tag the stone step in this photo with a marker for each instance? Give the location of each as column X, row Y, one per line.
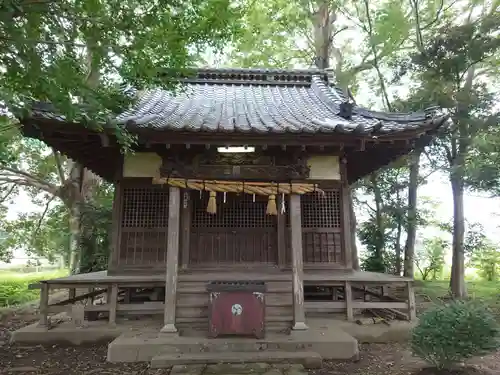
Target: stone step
column 144, row 346
column 307, row 359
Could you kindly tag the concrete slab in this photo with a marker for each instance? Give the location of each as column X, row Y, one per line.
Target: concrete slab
column 397, row 331
column 140, row 340
column 307, row 359
column 143, row 346
column 65, row 333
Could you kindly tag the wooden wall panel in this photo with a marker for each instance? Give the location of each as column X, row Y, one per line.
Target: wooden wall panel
column 192, row 301
column 139, row 246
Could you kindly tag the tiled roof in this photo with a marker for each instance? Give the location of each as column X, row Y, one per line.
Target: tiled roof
column 258, row 101
column 263, row 101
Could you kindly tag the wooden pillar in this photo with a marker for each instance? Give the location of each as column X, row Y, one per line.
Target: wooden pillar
column 281, row 228
column 345, row 217
column 114, row 256
column 185, row 228
column 127, row 295
column 412, row 312
column 44, row 306
column 112, row 302
column 299, row 318
column 348, row 301
column 172, row 260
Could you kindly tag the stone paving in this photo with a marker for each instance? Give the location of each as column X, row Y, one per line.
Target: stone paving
column 239, row 369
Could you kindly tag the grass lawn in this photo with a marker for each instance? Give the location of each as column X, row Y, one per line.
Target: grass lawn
column 486, row 291
column 14, row 286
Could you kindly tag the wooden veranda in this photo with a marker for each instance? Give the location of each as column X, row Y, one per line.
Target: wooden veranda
column 351, row 292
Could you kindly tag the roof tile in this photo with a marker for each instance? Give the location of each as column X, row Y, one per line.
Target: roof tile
column 259, row 101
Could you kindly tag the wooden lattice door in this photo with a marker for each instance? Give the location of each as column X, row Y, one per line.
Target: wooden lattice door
column 144, row 222
column 321, row 228
column 240, row 232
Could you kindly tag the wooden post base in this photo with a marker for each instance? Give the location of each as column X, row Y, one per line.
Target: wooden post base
column 300, row 326
column 169, row 328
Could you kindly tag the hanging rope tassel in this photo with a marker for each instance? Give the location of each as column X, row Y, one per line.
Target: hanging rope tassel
column 271, row 205
column 212, row 203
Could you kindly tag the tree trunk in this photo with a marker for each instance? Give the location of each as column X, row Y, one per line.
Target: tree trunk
column 82, row 179
column 457, row 282
column 73, row 203
column 379, row 233
column 411, row 230
column 398, row 246
column 88, row 247
column 322, row 22
column 460, row 142
column 74, row 243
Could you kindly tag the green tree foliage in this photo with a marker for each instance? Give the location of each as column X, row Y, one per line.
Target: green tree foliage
column 47, row 234
column 429, row 259
column 360, row 41
column 487, row 261
column 271, row 35
column 482, row 253
column 448, row 66
column 8, row 131
column 80, row 56
column 452, row 333
column 482, row 171
column 41, row 234
column 383, row 198
column 382, row 232
column 50, row 182
column 95, row 241
column 66, row 51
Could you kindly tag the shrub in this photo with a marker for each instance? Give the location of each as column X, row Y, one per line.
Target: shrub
column 449, row 334
column 15, row 292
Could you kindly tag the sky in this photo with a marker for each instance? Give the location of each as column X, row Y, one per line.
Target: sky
column 481, row 209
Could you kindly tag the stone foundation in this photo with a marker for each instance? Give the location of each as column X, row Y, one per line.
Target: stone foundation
column 141, row 340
